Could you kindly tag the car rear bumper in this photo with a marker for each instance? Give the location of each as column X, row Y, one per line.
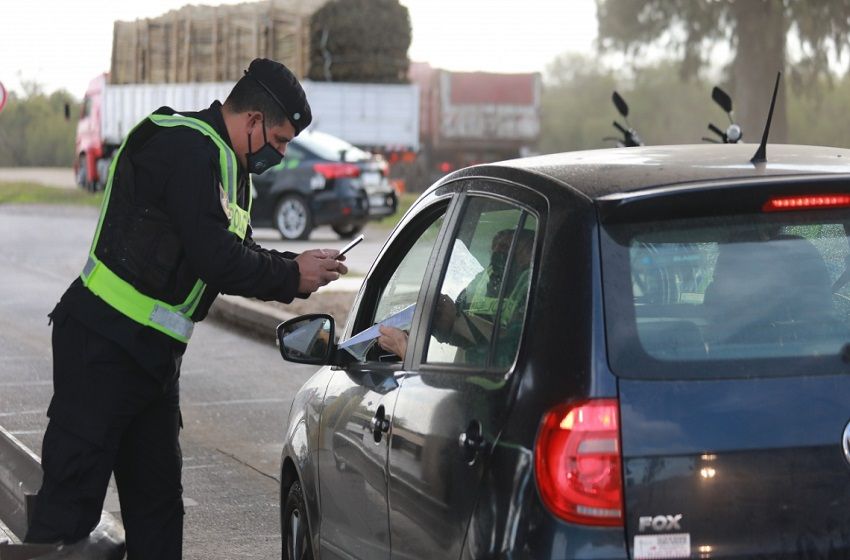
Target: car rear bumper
column 354, row 207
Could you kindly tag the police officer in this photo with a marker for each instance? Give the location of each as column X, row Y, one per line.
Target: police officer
column 173, row 233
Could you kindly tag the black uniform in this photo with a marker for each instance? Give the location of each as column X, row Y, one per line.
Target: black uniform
column 116, row 400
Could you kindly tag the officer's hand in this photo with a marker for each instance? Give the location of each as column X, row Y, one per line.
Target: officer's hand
column 318, row 267
column 445, row 314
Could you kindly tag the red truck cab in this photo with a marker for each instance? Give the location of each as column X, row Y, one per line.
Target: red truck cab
column 89, row 142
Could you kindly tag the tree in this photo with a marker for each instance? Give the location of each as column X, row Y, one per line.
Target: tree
column 575, row 105
column 577, row 111
column 33, row 129
column 756, row 31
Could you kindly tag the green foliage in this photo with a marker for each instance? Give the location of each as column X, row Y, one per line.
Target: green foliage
column 31, row 193
column 685, row 27
column 817, row 114
column 756, row 31
column 33, row 129
column 575, row 105
column 577, row 110
column 345, row 47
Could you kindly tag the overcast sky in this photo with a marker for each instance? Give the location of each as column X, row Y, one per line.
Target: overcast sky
column 65, row 43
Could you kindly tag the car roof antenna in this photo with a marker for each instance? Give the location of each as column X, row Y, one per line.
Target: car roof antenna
column 761, row 154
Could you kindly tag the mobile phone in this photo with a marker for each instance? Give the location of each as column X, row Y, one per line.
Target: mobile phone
column 348, row 247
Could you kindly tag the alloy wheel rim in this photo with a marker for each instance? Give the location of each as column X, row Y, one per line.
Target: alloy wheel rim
column 296, row 541
column 292, row 218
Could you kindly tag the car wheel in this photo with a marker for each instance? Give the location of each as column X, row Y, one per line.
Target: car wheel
column 296, row 540
column 292, row 217
column 347, row 231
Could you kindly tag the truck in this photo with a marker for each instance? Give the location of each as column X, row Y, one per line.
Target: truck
column 379, row 117
column 474, row 117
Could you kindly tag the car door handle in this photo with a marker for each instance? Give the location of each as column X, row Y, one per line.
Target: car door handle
column 379, row 424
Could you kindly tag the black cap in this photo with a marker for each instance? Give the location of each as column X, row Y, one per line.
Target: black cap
column 282, row 85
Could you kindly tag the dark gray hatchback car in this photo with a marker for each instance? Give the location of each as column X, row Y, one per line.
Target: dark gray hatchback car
column 323, row 180
column 646, row 357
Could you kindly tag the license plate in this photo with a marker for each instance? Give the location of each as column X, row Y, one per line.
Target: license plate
column 371, row 178
column 378, row 200
column 675, row 545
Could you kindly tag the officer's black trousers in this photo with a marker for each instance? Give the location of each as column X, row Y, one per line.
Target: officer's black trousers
column 108, row 415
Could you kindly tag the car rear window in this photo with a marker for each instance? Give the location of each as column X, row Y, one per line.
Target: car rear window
column 332, row 148
column 754, row 295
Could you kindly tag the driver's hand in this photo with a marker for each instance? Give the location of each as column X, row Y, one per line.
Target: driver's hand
column 393, row 340
column 445, row 314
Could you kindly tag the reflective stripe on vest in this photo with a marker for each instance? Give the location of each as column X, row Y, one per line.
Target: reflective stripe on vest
column 172, row 320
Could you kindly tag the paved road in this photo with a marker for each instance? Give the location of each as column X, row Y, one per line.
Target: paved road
column 236, row 391
column 50, row 176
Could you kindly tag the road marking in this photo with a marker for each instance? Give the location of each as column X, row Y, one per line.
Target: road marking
column 237, row 401
column 38, row 411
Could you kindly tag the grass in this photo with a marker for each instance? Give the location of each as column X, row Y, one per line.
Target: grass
column 405, row 201
column 32, row 193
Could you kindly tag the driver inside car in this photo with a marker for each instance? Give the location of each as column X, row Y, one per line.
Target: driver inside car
column 468, row 322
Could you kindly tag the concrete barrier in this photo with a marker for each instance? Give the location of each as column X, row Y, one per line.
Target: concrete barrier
column 20, row 479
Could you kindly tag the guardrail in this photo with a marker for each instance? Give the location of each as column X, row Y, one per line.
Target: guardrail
column 20, row 479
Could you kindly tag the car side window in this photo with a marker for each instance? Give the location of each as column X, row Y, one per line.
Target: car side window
column 397, row 296
column 480, row 309
column 402, row 288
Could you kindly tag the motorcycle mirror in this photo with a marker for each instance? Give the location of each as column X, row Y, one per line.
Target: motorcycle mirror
column 620, row 103
column 722, row 98
column 733, row 133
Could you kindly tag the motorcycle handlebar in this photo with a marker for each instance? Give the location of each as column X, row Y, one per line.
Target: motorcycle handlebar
column 716, row 130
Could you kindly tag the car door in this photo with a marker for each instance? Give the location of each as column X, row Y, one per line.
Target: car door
column 355, row 422
column 451, row 405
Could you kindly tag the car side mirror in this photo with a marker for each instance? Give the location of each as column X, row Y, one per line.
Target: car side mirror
column 308, row 339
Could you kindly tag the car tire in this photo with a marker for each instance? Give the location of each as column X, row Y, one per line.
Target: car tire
column 292, row 217
column 347, row 231
column 297, row 544
column 83, row 173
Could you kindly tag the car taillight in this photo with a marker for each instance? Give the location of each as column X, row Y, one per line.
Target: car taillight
column 810, row 202
column 577, row 463
column 337, row 170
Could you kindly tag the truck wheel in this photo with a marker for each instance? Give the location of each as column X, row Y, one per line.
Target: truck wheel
column 292, row 217
column 82, row 173
column 347, row 231
column 296, row 540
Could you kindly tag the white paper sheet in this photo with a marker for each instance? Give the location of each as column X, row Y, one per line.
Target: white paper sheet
column 400, row 320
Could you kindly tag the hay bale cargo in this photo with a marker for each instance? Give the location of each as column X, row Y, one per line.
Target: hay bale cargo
column 211, row 43
column 360, row 41
column 216, row 43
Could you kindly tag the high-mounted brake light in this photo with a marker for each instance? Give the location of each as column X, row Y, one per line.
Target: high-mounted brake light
column 577, row 463
column 337, row 170
column 810, row 202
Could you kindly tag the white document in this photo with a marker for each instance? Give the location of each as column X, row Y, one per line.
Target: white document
column 400, row 320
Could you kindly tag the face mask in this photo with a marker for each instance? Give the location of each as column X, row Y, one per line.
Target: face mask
column 263, row 159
